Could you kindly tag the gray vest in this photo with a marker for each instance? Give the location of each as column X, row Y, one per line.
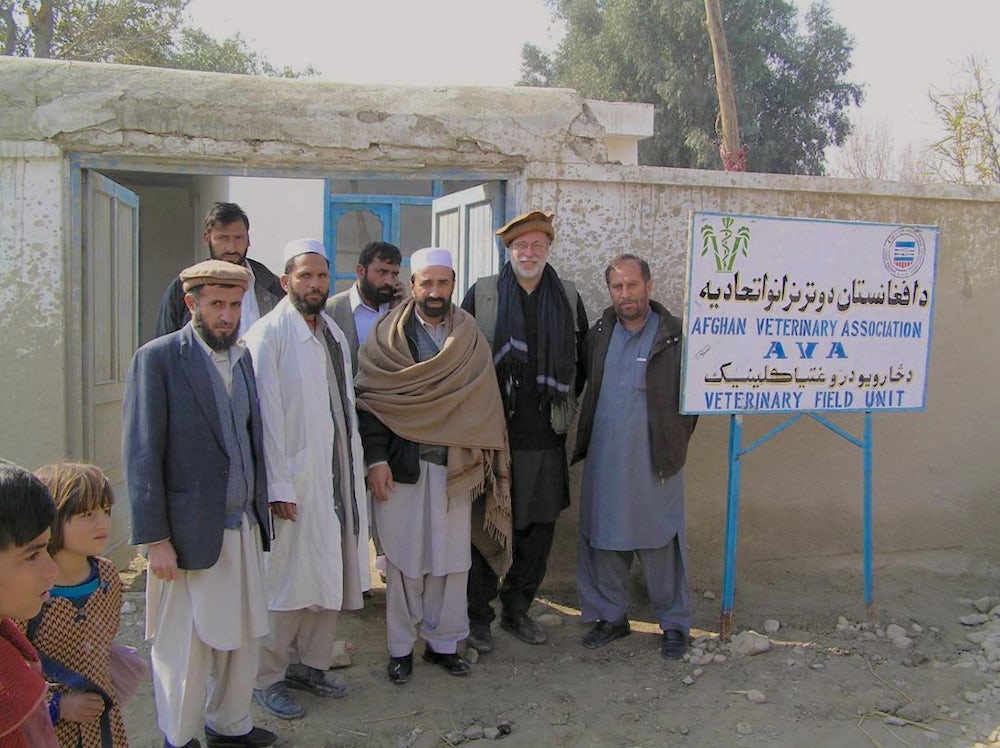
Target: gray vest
column 427, row 348
column 234, row 412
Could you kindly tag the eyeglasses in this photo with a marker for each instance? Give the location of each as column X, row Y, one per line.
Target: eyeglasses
column 535, row 246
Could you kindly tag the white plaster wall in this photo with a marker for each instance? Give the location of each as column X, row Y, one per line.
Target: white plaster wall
column 935, row 478
column 280, row 210
column 33, row 304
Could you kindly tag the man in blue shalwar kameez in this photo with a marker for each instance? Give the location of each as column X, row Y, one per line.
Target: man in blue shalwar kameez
column 635, row 442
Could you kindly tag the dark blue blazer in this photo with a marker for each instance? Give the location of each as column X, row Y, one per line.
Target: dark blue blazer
column 173, row 450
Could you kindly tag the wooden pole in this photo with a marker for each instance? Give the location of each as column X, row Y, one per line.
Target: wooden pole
column 733, row 156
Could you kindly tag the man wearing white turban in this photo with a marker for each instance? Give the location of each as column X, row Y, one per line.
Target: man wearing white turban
column 436, row 448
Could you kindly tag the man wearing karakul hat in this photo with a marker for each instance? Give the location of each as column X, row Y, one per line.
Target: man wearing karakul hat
column 436, row 449
column 536, row 324
column 194, row 468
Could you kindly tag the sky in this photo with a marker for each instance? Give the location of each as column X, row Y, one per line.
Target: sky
column 903, row 48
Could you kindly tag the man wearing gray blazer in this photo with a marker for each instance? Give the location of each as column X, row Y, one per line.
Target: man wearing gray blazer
column 197, row 488
column 375, row 292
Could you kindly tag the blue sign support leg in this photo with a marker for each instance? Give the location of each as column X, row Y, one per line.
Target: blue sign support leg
column 732, row 526
column 868, row 516
column 736, row 454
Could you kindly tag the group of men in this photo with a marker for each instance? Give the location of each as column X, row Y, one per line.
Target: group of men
column 269, row 418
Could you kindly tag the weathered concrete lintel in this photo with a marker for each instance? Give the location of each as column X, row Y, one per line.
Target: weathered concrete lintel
column 131, row 110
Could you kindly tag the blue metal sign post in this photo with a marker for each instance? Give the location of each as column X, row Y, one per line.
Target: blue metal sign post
column 736, row 454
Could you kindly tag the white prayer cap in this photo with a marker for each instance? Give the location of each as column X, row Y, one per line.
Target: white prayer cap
column 301, row 247
column 428, row 256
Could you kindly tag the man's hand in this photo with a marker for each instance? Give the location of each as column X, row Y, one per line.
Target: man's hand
column 398, row 295
column 80, row 706
column 285, row 510
column 163, row 561
column 380, row 481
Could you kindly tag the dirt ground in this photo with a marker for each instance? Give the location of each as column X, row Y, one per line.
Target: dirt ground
column 824, row 686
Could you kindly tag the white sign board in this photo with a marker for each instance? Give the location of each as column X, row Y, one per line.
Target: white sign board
column 795, row 315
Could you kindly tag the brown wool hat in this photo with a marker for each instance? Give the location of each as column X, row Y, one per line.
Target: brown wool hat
column 533, row 220
column 215, row 273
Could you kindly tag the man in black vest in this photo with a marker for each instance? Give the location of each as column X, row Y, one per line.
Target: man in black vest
column 536, row 324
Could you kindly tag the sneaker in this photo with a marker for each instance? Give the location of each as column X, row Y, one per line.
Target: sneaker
column 480, row 638
column 276, row 700
column 314, row 680
column 605, row 632
column 523, row 628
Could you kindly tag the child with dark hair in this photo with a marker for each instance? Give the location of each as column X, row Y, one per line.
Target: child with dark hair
column 26, row 576
column 76, row 628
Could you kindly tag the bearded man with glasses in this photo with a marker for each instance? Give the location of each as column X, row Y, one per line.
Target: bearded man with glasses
column 535, row 323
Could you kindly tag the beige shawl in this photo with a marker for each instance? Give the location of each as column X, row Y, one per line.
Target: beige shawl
column 452, row 400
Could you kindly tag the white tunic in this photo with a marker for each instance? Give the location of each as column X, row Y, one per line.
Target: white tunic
column 227, row 611
column 416, row 531
column 305, row 566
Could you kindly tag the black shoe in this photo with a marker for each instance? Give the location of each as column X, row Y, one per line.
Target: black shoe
column 192, row 743
column 480, row 638
column 452, row 662
column 257, row 737
column 605, row 632
column 674, row 644
column 400, row 669
column 523, row 628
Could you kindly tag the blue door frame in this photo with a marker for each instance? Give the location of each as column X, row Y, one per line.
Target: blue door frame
column 386, row 208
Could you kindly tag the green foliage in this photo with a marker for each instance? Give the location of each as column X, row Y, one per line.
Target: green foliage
column 196, row 50
column 789, row 82
column 969, row 153
column 128, row 32
column 131, row 32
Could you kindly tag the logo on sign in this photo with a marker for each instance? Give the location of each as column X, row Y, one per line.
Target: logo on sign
column 903, row 252
column 726, row 244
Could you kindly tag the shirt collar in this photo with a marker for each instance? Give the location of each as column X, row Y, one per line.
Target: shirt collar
column 235, row 351
column 427, row 325
column 356, row 301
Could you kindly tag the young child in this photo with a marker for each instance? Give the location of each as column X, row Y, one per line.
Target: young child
column 26, row 576
column 77, row 626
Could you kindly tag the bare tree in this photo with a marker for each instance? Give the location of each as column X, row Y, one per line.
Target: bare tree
column 969, row 153
column 870, row 153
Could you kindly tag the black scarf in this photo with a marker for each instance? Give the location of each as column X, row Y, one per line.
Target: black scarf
column 556, row 339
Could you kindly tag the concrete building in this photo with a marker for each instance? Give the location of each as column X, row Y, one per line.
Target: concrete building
column 106, row 172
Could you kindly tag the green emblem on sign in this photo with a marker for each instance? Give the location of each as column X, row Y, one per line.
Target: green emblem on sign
column 726, row 245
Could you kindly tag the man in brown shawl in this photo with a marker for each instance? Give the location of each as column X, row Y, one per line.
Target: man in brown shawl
column 435, row 444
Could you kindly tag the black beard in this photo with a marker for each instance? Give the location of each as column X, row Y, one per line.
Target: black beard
column 304, row 306
column 211, row 253
column 370, row 292
column 217, row 343
column 434, row 312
